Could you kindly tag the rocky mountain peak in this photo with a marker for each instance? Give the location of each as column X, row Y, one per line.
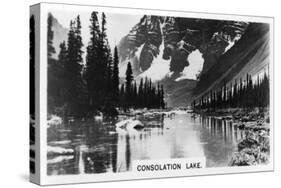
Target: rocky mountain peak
column 180, row 36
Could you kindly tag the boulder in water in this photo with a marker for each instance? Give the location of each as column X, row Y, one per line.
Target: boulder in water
column 54, row 150
column 98, row 116
column 54, row 120
column 130, row 124
column 135, row 124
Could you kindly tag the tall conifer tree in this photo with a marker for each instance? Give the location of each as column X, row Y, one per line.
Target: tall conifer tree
column 129, row 77
column 115, row 77
column 93, row 73
column 73, row 67
column 62, row 60
column 50, row 36
column 52, row 67
column 129, row 80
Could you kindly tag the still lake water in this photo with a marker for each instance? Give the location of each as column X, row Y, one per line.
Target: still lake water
column 98, row 147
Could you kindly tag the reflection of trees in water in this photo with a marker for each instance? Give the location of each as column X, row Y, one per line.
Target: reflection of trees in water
column 130, row 143
column 218, row 131
column 102, row 146
column 221, row 129
column 128, row 152
column 97, row 146
column 63, row 167
column 156, row 121
column 101, row 153
column 96, row 162
column 93, row 145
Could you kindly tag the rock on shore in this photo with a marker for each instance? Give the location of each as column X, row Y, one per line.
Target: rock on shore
column 252, row 151
column 254, row 148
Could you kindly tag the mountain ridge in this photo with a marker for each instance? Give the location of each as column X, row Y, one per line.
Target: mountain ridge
column 251, row 51
column 169, row 41
column 181, row 37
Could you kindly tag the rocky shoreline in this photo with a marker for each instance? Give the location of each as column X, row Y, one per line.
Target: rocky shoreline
column 254, row 148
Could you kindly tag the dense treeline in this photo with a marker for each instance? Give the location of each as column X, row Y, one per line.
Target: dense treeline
column 84, row 89
column 65, row 82
column 100, row 74
column 242, row 94
column 144, row 95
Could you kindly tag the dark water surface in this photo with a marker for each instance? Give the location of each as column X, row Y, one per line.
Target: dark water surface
column 98, row 147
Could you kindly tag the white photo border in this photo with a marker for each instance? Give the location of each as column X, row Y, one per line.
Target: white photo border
column 45, row 8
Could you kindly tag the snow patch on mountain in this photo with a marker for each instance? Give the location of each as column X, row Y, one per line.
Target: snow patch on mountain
column 138, row 52
column 196, row 62
column 159, row 68
column 231, row 43
column 122, row 67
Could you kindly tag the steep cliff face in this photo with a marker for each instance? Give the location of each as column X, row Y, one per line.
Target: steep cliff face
column 250, row 55
column 230, row 50
column 180, row 37
column 161, row 39
column 60, row 35
column 142, row 44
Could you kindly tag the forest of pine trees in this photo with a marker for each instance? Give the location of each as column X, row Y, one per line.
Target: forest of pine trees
column 144, row 95
column 238, row 95
column 83, row 89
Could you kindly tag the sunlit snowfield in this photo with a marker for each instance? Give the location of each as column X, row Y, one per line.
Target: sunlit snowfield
column 97, row 146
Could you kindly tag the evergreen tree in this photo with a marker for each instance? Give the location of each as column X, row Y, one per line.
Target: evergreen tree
column 140, row 94
column 99, row 67
column 93, row 72
column 129, row 78
column 102, row 74
column 50, row 36
column 265, row 93
column 105, row 56
column 115, row 77
column 162, row 104
column 109, row 77
column 135, row 95
column 245, row 94
column 62, row 61
column 159, row 95
column 62, row 57
column 107, row 64
column 73, row 67
column 52, row 67
column 122, row 97
column 146, row 92
column 144, row 95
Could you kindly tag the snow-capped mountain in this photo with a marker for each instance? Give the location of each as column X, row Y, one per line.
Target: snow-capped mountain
column 250, row 55
column 177, row 51
column 188, row 56
column 169, row 40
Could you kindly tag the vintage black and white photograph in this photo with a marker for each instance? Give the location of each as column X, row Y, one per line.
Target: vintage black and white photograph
column 128, row 87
